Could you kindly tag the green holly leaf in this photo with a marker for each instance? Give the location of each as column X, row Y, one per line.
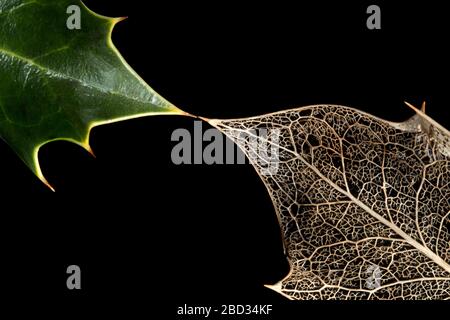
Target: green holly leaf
column 58, row 82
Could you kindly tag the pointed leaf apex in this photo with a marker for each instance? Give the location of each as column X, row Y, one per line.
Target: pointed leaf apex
column 119, row 19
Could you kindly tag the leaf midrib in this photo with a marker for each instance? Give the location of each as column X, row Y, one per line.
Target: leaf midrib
column 66, row 76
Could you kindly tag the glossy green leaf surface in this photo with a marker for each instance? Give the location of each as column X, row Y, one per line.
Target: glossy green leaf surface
column 57, row 83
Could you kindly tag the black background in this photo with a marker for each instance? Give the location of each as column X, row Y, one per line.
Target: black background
column 149, row 235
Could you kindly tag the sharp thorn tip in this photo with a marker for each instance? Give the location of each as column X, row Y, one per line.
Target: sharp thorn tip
column 91, row 152
column 411, row 106
column 48, row 184
column 423, row 107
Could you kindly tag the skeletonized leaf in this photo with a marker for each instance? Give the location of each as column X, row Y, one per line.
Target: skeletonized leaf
column 57, row 83
column 363, row 203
